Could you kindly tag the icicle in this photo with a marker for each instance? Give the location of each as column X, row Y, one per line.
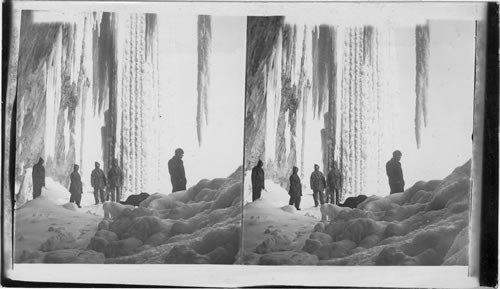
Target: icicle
column 421, row 82
column 204, row 48
column 315, row 62
column 264, row 36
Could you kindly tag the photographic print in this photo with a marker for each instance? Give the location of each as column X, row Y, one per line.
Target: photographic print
column 129, row 138
column 234, row 144
column 358, row 141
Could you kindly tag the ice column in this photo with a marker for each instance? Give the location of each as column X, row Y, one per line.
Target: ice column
column 138, row 122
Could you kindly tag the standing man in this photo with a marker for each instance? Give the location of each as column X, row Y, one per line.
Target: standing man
column 115, row 181
column 75, row 187
column 98, row 182
column 295, row 191
column 176, row 170
column 318, row 184
column 395, row 173
column 38, row 175
column 335, row 181
column 257, row 180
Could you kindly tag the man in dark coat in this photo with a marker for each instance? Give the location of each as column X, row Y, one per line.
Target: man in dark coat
column 38, row 175
column 75, row 187
column 115, row 181
column 98, row 182
column 176, row 170
column 335, row 181
column 395, row 173
column 318, row 184
column 257, row 180
column 295, row 190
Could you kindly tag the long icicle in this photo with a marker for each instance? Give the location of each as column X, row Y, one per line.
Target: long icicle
column 204, row 47
column 421, row 82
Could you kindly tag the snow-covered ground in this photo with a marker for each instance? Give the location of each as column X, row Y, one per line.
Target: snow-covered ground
column 51, row 223
column 199, row 225
column 425, row 225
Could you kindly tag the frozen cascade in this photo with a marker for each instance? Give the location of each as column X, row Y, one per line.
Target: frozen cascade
column 138, row 133
column 350, row 109
column 53, row 88
column 287, row 98
column 328, row 93
column 54, row 64
column 367, row 104
column 273, row 97
column 421, row 81
column 203, row 85
column 104, row 82
column 315, row 63
column 263, row 38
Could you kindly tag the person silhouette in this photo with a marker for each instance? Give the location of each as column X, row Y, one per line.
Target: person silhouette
column 115, row 181
column 257, row 180
column 98, row 182
column 75, row 187
column 295, row 190
column 318, row 184
column 335, row 181
column 395, row 173
column 38, row 177
column 176, row 170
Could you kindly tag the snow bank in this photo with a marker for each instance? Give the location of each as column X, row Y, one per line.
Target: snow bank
column 425, row 225
column 47, row 232
column 199, row 225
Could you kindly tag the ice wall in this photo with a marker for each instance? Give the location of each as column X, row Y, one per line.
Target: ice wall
column 346, row 71
column 263, row 38
column 52, row 77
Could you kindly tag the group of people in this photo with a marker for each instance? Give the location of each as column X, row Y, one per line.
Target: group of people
column 110, row 187
column 105, row 189
column 332, row 184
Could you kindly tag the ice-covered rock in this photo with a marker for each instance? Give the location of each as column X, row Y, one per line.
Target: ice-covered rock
column 278, row 241
column 183, row 254
column 61, row 240
column 123, row 247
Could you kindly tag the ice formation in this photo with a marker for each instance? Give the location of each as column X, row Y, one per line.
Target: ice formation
column 89, row 90
column 425, row 225
column 421, row 82
column 199, row 225
column 346, row 72
column 203, row 85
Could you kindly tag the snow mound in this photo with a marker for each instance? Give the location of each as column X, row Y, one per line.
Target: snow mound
column 44, row 227
column 196, row 226
column 425, row 225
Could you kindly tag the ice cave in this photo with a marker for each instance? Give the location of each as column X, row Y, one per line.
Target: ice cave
column 98, row 86
column 325, row 92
